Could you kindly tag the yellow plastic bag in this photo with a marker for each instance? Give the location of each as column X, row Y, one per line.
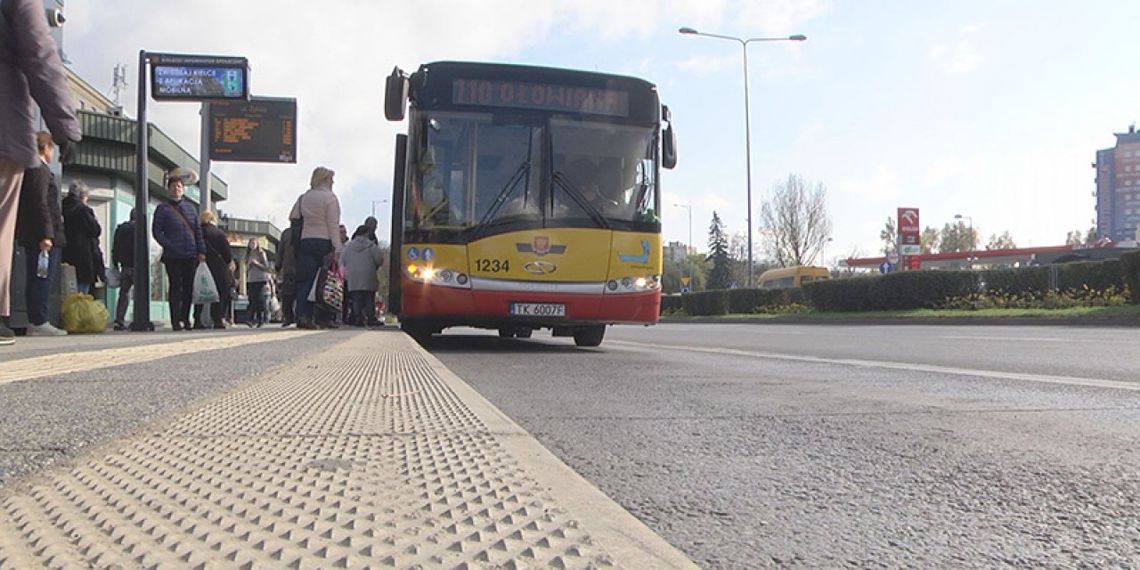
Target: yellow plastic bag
column 83, row 314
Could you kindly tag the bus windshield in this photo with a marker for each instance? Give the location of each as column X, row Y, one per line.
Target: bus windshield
column 479, row 170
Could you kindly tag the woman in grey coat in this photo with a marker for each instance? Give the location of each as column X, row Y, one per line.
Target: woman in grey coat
column 361, row 259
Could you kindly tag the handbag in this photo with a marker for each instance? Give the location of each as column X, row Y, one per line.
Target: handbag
column 332, row 291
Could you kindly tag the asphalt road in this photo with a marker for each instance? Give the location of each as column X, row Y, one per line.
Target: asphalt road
column 819, row 446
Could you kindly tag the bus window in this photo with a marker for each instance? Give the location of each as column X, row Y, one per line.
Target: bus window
column 473, row 170
column 603, row 165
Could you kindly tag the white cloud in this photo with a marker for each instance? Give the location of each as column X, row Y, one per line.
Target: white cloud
column 960, row 56
column 703, row 64
column 882, row 184
column 331, row 56
column 779, row 17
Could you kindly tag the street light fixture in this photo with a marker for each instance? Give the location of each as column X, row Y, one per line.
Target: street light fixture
column 374, row 202
column 747, row 127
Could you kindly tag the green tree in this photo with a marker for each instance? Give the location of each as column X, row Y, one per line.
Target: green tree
column 889, row 235
column 1004, row 241
column 930, row 240
column 692, row 266
column 720, row 274
column 958, row 237
column 1076, row 237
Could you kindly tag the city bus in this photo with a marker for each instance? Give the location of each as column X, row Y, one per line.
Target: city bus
column 526, row 198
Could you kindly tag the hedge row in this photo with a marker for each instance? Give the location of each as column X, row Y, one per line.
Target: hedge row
column 1130, row 267
column 724, row 301
column 918, row 289
column 895, row 291
column 1091, row 275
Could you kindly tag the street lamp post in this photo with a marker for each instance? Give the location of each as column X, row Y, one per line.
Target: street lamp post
column 747, row 127
column 374, row 202
column 823, row 251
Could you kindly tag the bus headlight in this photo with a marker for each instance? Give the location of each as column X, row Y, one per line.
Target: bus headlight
column 438, row 276
column 634, row 284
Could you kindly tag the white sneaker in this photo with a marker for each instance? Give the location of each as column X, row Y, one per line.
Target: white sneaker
column 45, row 330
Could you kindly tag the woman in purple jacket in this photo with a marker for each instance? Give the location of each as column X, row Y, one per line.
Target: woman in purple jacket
column 179, row 232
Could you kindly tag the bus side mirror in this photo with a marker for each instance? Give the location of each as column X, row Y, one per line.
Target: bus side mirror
column 668, row 148
column 668, row 140
column 395, row 95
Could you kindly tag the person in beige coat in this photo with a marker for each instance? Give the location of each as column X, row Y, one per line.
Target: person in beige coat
column 318, row 211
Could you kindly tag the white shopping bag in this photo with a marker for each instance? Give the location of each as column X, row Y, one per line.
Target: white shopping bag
column 205, row 292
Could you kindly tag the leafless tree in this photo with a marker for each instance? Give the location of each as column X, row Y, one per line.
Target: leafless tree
column 795, row 222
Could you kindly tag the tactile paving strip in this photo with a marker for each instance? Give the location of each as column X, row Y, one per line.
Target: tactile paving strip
column 360, row 458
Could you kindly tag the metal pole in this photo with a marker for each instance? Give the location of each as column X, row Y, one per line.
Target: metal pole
column 748, row 159
column 141, row 321
column 689, row 251
column 204, row 162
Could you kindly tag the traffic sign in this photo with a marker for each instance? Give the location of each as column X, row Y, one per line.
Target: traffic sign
column 262, row 129
column 179, row 77
column 685, row 281
column 893, row 258
column 886, row 267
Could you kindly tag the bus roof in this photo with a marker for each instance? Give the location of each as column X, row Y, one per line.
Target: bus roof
column 782, row 272
column 435, row 85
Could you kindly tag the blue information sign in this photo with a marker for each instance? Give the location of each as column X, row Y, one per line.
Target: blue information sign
column 175, row 77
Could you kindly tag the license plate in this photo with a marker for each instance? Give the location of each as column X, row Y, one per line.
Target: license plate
column 538, row 310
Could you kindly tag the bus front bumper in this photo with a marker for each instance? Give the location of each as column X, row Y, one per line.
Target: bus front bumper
column 465, row 305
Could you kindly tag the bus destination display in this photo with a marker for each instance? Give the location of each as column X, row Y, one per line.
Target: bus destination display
column 199, row 78
column 260, row 130
column 544, row 96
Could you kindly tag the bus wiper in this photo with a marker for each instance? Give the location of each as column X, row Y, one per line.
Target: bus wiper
column 576, row 195
column 501, row 198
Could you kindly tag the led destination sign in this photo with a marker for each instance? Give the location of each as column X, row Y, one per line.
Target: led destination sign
column 260, row 130
column 544, row 96
column 199, row 78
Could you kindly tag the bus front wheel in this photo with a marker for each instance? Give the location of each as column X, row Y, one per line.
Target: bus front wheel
column 589, row 336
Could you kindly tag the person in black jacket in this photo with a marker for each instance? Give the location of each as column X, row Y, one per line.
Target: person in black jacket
column 83, row 231
column 39, row 229
column 220, row 260
column 123, row 260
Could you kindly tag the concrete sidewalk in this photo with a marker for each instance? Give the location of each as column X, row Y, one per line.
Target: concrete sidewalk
column 369, row 454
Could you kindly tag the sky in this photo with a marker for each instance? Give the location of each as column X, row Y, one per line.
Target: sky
column 992, row 110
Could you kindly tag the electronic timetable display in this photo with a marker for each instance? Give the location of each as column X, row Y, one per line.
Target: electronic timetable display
column 258, row 130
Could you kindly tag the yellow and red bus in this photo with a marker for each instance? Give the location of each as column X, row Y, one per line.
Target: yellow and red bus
column 526, row 198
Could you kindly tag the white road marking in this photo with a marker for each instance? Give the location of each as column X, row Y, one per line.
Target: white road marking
column 900, row 366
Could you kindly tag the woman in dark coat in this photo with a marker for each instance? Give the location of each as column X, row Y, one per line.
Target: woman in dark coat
column 82, row 231
column 219, row 258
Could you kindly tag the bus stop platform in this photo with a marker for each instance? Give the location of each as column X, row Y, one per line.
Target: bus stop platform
column 367, row 453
